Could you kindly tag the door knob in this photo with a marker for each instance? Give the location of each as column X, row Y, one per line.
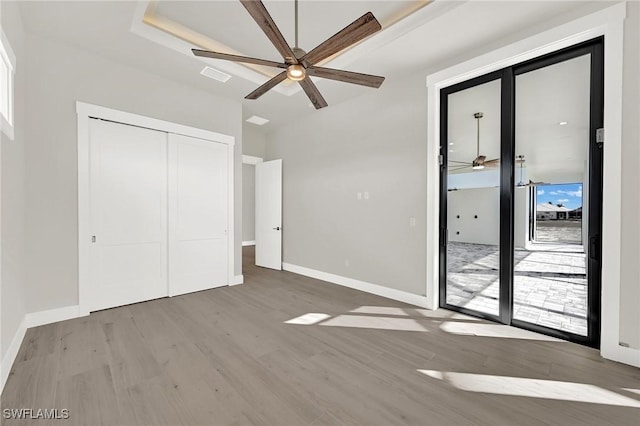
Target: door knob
column 277, row 228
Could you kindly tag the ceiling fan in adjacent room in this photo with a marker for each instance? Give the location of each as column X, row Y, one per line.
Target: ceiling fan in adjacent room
column 521, row 184
column 298, row 65
column 478, row 163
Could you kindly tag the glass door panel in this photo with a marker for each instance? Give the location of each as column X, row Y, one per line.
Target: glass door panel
column 472, row 239
column 552, row 170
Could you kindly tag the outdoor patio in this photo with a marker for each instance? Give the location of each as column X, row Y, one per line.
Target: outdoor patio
column 550, row 287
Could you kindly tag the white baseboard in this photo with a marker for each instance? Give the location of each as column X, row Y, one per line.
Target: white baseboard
column 12, row 353
column 33, row 319
column 248, row 243
column 379, row 290
column 238, row 279
column 36, row 319
column 630, row 356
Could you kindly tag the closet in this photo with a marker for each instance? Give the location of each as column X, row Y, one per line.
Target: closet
column 158, row 216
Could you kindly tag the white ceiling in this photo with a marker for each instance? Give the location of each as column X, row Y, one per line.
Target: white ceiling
column 229, row 23
column 440, row 33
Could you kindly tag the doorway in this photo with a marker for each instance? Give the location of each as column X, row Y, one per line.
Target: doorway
column 521, row 190
column 262, row 212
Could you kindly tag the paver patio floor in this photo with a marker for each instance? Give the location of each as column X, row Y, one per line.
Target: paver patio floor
column 550, row 284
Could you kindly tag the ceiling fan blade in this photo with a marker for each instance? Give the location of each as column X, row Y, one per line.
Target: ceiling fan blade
column 267, row 86
column 346, row 76
column 236, row 58
column 456, row 168
column 358, row 30
column 313, row 93
column 492, row 163
column 460, row 162
column 260, row 14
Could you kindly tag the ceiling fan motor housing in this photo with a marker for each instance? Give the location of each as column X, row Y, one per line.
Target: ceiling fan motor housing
column 297, row 72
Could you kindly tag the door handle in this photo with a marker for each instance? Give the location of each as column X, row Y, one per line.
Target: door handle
column 277, row 228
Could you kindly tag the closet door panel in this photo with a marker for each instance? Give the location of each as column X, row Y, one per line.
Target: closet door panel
column 128, row 214
column 198, row 214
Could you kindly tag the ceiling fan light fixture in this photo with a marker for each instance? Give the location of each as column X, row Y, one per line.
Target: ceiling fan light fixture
column 296, row 72
column 477, row 166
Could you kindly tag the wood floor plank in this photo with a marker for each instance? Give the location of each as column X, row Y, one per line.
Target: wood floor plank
column 90, row 398
column 252, row 355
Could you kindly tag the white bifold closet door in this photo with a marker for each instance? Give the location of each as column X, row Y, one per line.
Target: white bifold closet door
column 159, row 206
column 197, row 214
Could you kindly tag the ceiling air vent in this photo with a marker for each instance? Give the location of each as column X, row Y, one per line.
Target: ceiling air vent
column 215, row 74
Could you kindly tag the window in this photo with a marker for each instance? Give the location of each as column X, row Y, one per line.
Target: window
column 7, row 70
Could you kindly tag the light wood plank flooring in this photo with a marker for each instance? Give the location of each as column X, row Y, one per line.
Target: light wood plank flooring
column 253, row 354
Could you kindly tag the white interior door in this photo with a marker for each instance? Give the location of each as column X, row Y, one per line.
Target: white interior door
column 269, row 214
column 128, row 181
column 198, row 210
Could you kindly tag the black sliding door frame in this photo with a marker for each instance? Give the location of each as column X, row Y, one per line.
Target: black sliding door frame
column 594, row 48
column 444, row 157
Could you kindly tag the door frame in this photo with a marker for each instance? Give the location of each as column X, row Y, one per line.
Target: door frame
column 595, row 49
column 250, row 160
column 608, row 22
column 85, row 112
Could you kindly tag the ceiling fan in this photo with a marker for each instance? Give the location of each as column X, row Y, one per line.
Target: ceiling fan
column 480, row 162
column 521, row 183
column 298, row 65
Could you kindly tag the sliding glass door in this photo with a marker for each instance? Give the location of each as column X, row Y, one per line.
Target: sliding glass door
column 521, row 181
column 472, row 197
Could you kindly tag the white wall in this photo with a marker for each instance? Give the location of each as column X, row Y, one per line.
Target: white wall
column 58, row 76
column 254, row 141
column 248, row 202
column 12, row 267
column 521, row 217
column 374, row 144
column 630, row 244
column 462, row 208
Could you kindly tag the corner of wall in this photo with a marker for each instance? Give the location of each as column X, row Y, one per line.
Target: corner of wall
column 12, row 218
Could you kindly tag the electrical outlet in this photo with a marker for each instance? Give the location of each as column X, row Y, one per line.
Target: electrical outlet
column 359, row 196
column 366, row 195
column 412, row 222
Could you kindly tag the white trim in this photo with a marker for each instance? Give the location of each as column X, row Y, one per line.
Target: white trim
column 231, row 239
column 610, row 23
column 248, row 243
column 250, row 159
column 30, row 320
column 36, row 319
column 96, row 111
column 6, row 52
column 85, row 112
column 9, row 58
column 12, row 353
column 237, row 280
column 389, row 293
